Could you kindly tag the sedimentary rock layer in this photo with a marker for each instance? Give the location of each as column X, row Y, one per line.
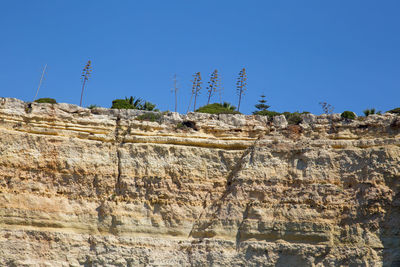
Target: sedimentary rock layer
column 99, row 187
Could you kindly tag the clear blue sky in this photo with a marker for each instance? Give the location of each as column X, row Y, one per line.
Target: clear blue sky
column 298, row 53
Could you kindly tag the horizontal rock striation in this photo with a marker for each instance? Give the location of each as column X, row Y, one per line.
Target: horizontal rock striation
column 100, row 187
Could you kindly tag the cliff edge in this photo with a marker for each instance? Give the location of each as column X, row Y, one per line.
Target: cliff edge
column 104, row 187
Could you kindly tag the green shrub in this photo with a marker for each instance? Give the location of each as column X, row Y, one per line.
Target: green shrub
column 369, row 111
column 121, row 104
column 294, row 118
column 46, row 100
column 150, row 117
column 268, row 113
column 148, row 106
column 394, row 111
column 348, row 115
column 229, row 106
column 217, row 108
column 93, row 106
column 133, row 103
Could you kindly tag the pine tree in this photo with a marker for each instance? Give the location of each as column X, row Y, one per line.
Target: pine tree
column 261, row 106
column 241, row 85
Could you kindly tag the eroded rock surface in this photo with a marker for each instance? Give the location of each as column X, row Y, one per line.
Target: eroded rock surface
column 98, row 187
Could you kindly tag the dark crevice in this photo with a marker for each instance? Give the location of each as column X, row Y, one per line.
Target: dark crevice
column 118, row 155
column 230, row 184
column 239, row 231
column 28, row 107
column 238, row 167
column 119, row 142
column 118, row 182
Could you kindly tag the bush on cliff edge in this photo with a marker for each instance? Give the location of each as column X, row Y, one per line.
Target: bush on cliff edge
column 217, row 108
column 46, row 100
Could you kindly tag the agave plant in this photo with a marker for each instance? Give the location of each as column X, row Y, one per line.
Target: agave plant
column 228, row 106
column 136, row 103
column 148, row 106
column 368, row 112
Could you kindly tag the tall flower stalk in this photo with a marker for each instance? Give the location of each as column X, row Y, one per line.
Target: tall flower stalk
column 241, row 85
column 196, row 87
column 86, row 72
column 212, row 85
column 40, row 81
column 174, row 90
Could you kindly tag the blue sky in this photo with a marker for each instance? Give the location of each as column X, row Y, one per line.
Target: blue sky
column 298, row 53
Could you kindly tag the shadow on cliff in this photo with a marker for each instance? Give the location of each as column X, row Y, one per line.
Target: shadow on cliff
column 390, row 232
column 374, row 187
column 390, row 226
column 202, row 229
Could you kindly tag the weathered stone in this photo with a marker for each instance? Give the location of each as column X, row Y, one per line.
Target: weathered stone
column 280, row 121
column 98, row 187
column 308, row 118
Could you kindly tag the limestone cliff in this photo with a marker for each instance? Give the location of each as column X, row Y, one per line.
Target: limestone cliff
column 99, row 187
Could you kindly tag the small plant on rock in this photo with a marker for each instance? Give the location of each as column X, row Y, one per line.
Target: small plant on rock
column 133, row 103
column 121, row 104
column 228, row 106
column 93, row 106
column 394, row 111
column 368, row 112
column 349, row 115
column 269, row 113
column 217, row 108
column 46, row 100
column 293, row 118
column 150, row 117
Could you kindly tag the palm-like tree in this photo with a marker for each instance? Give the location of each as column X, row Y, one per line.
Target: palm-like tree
column 228, row 106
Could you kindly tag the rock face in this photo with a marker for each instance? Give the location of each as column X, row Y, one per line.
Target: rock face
column 99, row 187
